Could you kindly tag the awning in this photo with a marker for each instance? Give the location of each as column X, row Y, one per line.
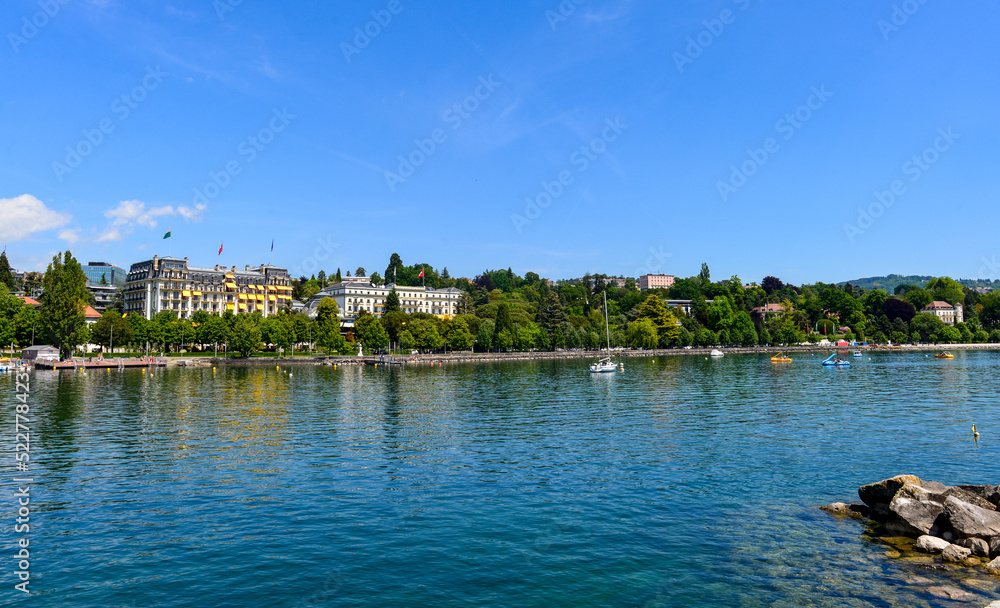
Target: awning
column 243, row 306
column 261, row 287
column 230, row 275
column 260, row 307
column 260, row 297
column 231, row 285
column 186, row 293
column 197, row 293
column 272, row 298
column 242, row 296
column 230, row 306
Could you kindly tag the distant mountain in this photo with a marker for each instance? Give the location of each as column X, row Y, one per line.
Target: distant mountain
column 890, row 282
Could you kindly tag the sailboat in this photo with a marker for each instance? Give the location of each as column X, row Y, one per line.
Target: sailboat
column 605, row 365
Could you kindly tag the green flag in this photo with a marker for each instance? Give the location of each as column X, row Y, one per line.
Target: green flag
column 167, row 235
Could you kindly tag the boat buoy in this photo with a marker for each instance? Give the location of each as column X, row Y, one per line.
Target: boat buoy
column 144, row 370
column 276, row 368
column 975, row 433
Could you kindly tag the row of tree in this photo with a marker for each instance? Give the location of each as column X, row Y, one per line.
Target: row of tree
column 502, row 310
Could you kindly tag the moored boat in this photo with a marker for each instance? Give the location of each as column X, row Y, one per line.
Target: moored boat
column 781, row 358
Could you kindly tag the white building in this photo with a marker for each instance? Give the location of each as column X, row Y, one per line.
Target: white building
column 162, row 284
column 949, row 314
column 353, row 297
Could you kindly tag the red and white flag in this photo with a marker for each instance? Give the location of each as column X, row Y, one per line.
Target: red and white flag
column 220, row 248
column 421, row 275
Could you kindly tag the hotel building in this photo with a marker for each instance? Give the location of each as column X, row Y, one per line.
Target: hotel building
column 352, row 297
column 654, row 281
column 170, row 283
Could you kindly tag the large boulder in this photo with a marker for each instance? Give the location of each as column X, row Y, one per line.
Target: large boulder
column 932, row 544
column 995, row 546
column 993, row 567
column 955, row 554
column 990, row 494
column 916, row 510
column 878, row 495
column 978, row 546
column 970, row 521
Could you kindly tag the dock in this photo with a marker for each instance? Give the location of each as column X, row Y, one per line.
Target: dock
column 76, row 364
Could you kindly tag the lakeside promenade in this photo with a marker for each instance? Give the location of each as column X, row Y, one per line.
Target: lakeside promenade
column 470, row 357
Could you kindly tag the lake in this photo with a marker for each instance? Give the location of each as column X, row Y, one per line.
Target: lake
column 680, row 481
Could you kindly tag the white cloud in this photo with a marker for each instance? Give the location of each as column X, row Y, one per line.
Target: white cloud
column 70, row 235
column 129, row 214
column 24, row 215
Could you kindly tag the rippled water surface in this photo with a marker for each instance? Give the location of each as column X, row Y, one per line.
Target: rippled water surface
column 678, row 482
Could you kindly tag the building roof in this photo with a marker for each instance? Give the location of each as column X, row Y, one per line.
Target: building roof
column 40, row 347
column 90, row 313
column 769, row 308
column 30, row 301
column 939, row 305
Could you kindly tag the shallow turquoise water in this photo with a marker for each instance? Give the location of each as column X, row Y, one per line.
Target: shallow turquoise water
column 679, row 482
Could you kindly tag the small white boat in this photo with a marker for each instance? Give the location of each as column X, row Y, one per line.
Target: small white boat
column 717, row 353
column 857, row 353
column 605, row 365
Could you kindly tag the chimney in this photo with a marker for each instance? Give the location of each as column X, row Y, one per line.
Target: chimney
column 247, row 268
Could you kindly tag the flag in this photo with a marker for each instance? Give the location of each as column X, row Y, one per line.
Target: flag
column 220, row 248
column 272, row 244
column 167, row 235
column 421, row 275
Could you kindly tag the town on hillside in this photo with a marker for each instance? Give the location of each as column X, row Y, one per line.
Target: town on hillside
column 170, row 305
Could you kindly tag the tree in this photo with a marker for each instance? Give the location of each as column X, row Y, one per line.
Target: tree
column 642, row 334
column 327, row 333
column 6, row 276
column 664, row 321
column 771, row 284
column 26, row 321
column 111, row 329
column 484, row 337
column 459, row 336
column 339, row 278
column 946, row 289
column 392, row 270
column 425, row 334
column 213, row 331
column 246, row 335
column 360, row 272
column 919, row 298
column 64, row 301
column 104, row 278
column 503, row 322
column 895, row 308
column 989, row 315
column 705, row 276
column 742, row 331
column 370, row 332
column 720, row 314
column 392, row 302
column 277, row 330
column 926, row 324
column 375, row 279
column 321, row 279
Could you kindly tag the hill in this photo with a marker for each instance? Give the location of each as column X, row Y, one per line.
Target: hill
column 890, row 282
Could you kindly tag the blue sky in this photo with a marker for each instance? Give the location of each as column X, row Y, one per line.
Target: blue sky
column 621, row 137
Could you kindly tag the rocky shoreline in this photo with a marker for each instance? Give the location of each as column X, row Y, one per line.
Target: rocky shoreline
column 957, row 525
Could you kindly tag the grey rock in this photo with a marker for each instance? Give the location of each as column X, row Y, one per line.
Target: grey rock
column 995, row 546
column 970, row 521
column 978, row 546
column 915, row 507
column 955, row 554
column 932, row 544
column 995, row 604
column 993, row 567
column 845, row 510
column 990, row 494
column 951, row 593
column 878, row 495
